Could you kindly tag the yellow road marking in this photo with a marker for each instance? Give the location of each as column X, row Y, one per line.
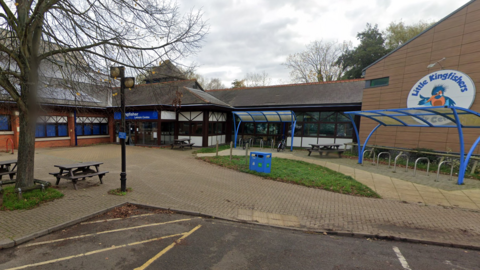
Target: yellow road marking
column 104, row 232
column 165, row 250
column 113, row 219
column 94, row 252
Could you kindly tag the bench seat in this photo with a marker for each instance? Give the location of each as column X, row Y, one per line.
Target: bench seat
column 327, row 151
column 182, row 146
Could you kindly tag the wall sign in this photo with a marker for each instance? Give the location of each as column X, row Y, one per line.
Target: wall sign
column 442, row 88
column 141, row 115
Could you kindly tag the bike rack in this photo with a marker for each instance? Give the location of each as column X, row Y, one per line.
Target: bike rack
column 395, row 163
column 440, row 165
column 428, row 165
column 261, row 144
column 272, row 144
column 389, row 158
column 9, row 140
column 363, row 156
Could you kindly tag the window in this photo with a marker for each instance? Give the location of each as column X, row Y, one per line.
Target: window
column 51, row 126
column 310, row 129
column 344, row 130
column 261, row 128
column 87, row 126
column 327, row 130
column 216, row 128
column 377, row 82
column 184, row 128
column 5, row 122
column 197, row 129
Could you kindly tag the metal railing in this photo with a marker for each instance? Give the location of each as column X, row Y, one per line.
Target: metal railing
column 416, row 161
column 395, row 163
column 440, row 165
column 389, row 158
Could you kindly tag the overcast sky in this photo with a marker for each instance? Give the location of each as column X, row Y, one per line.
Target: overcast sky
column 258, row 35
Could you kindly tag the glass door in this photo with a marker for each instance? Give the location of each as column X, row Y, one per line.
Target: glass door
column 167, row 136
column 147, row 133
column 131, row 138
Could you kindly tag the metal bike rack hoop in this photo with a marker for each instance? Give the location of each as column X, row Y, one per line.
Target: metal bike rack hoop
column 389, row 158
column 428, row 165
column 363, row 156
column 440, row 165
column 395, row 163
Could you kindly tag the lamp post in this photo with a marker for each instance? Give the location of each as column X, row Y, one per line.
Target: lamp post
column 129, row 82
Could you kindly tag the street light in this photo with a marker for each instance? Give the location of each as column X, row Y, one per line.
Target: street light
column 129, row 82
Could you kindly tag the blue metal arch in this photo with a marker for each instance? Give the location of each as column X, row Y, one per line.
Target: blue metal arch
column 292, row 121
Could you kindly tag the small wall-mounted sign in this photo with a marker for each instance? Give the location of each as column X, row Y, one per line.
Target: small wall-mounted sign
column 122, row 135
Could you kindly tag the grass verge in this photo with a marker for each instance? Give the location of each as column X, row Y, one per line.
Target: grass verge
column 212, row 149
column 301, row 173
column 118, row 192
column 31, row 199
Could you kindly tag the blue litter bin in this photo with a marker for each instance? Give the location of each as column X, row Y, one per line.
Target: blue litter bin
column 260, row 162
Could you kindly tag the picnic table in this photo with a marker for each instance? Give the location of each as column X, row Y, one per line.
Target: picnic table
column 7, row 169
column 181, row 143
column 326, row 148
column 74, row 172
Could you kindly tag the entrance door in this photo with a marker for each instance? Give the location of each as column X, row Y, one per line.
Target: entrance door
column 147, row 133
column 167, row 136
column 131, row 133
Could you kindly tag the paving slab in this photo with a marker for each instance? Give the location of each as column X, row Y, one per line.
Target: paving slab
column 177, row 179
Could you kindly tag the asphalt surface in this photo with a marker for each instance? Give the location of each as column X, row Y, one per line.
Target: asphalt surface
column 216, row 244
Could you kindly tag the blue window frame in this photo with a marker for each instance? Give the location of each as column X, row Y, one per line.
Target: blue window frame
column 4, row 122
column 104, row 129
column 40, row 130
column 62, row 130
column 51, row 130
column 87, row 129
column 96, row 129
column 79, row 129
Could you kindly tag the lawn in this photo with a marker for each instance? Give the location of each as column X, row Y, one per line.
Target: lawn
column 301, row 173
column 31, row 199
column 212, row 149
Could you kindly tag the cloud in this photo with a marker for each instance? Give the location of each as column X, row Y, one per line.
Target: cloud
column 258, row 35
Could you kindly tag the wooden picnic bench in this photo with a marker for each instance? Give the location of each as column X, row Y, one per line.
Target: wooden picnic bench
column 326, row 148
column 74, row 172
column 5, row 168
column 182, row 143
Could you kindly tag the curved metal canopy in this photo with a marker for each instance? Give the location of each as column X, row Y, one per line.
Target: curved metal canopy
column 437, row 117
column 424, row 117
column 264, row 117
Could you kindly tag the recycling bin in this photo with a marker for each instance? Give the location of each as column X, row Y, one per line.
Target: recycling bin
column 260, row 162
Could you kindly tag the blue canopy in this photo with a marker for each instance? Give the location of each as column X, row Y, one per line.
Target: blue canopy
column 435, row 117
column 264, row 117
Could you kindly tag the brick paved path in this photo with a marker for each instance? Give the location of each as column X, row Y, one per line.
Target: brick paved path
column 175, row 179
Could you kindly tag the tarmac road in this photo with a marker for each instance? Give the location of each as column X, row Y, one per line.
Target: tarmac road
column 151, row 241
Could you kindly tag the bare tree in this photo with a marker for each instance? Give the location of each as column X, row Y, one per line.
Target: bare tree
column 214, row 83
column 80, row 40
column 317, row 62
column 257, row 79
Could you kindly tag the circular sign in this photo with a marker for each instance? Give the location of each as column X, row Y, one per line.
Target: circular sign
column 442, row 88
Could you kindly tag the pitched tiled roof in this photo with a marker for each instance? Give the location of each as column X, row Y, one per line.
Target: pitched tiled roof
column 336, row 92
column 165, row 93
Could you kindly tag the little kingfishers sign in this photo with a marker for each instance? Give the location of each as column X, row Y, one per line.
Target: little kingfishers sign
column 442, row 88
column 142, row 115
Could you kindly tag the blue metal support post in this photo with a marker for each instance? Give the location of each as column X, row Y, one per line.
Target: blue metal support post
column 360, row 153
column 461, row 173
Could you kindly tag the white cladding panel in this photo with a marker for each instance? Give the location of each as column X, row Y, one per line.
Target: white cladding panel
column 297, row 141
column 306, row 141
column 342, row 141
column 325, row 140
column 197, row 140
column 167, row 115
column 190, row 116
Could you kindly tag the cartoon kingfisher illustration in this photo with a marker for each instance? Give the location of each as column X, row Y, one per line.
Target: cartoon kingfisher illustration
column 437, row 99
